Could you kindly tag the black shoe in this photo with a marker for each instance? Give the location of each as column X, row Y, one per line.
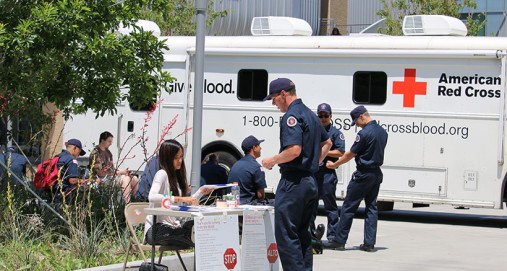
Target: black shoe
column 319, row 231
column 317, row 247
column 367, row 248
column 333, row 245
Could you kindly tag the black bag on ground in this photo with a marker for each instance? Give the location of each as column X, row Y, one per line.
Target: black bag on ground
column 146, row 266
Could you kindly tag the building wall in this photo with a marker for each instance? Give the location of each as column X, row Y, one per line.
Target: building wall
column 362, row 13
column 241, row 13
column 336, row 14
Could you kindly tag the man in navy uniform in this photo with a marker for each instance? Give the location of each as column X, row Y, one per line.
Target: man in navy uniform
column 249, row 173
column 303, row 145
column 326, row 178
column 368, row 150
column 16, row 163
column 146, row 179
column 68, row 166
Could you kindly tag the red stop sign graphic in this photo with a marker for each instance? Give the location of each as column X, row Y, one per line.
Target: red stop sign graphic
column 230, row 258
column 272, row 253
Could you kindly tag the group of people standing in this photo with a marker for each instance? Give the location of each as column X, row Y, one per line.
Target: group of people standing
column 310, row 150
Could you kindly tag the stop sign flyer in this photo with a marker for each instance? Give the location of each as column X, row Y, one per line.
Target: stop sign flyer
column 217, row 243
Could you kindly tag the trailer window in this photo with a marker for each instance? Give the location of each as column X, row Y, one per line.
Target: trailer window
column 369, row 87
column 252, row 85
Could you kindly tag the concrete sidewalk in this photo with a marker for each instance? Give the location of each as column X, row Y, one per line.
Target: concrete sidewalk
column 171, row 261
column 414, row 243
column 424, row 244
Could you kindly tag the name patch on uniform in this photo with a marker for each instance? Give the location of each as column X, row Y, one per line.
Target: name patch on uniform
column 358, row 138
column 291, row 121
column 74, row 161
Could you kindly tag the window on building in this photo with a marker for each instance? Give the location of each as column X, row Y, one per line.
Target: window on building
column 369, row 87
column 481, row 18
column 252, row 85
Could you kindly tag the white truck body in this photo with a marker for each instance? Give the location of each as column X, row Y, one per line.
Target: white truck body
column 443, row 107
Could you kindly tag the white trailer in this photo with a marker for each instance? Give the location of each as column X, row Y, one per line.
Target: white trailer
column 440, row 98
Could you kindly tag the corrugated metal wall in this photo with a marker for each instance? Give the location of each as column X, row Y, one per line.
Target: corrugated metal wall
column 362, row 13
column 241, row 13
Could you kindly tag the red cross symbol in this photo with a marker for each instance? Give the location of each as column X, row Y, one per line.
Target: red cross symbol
column 409, row 88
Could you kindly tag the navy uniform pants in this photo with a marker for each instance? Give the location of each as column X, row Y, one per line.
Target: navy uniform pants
column 363, row 185
column 296, row 200
column 326, row 183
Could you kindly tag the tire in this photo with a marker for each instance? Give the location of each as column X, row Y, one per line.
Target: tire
column 226, row 160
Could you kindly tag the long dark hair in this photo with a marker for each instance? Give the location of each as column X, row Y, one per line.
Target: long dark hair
column 166, row 154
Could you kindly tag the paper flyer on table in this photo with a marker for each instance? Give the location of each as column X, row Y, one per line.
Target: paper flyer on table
column 217, row 243
column 217, row 186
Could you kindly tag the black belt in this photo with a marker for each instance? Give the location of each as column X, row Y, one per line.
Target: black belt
column 295, row 172
column 368, row 169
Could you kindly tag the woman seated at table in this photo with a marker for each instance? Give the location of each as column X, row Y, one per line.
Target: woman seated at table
column 171, row 177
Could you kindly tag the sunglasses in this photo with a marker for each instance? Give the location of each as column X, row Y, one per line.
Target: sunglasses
column 323, row 116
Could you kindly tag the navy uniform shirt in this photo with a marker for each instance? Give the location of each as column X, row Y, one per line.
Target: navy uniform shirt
column 338, row 141
column 213, row 173
column 17, row 163
column 143, row 189
column 69, row 164
column 250, row 177
column 300, row 126
column 369, row 146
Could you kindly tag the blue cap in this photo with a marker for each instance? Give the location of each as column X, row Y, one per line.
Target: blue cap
column 77, row 143
column 356, row 112
column 249, row 142
column 277, row 85
column 324, row 107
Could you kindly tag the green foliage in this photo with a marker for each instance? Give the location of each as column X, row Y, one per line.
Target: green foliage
column 177, row 18
column 32, row 238
column 67, row 52
column 395, row 10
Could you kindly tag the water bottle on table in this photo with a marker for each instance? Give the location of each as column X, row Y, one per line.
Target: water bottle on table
column 235, row 193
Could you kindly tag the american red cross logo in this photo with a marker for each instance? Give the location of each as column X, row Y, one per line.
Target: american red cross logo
column 409, row 88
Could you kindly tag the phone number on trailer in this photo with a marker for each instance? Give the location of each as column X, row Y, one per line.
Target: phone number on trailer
column 261, row 121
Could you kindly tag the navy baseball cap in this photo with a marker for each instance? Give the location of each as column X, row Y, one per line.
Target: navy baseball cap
column 356, row 112
column 324, row 107
column 277, row 85
column 249, row 142
column 76, row 143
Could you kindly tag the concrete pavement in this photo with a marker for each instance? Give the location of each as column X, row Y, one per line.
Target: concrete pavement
column 435, row 238
column 425, row 244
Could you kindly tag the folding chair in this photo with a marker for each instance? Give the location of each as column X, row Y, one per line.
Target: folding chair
column 134, row 216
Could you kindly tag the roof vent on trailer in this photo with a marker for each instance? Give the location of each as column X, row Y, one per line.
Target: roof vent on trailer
column 433, row 25
column 280, row 26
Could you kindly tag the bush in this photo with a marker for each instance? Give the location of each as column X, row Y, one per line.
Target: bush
column 86, row 231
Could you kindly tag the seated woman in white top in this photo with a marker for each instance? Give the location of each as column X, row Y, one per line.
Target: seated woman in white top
column 171, row 178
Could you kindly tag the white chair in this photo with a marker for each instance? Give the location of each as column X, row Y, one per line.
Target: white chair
column 134, row 216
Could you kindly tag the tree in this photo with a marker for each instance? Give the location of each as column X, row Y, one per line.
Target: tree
column 177, row 18
column 68, row 52
column 395, row 10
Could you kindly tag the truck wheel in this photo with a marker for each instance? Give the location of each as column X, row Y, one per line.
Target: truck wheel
column 226, row 160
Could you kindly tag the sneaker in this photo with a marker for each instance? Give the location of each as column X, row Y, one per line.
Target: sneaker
column 367, row 248
column 333, row 245
column 319, row 231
